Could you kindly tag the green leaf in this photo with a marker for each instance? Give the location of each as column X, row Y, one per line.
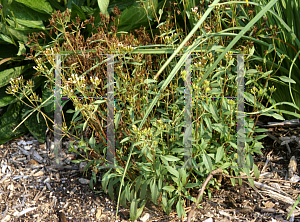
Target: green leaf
column 135, row 16
column 138, row 183
column 9, row 120
column 170, row 158
column 5, row 38
column 147, row 81
column 180, row 209
column 154, row 191
column 105, row 179
column 140, row 210
column 27, row 16
column 173, row 171
column 144, row 190
column 169, row 188
column 48, row 106
column 256, row 171
column 213, row 111
column 275, row 115
column 100, row 101
column 13, row 73
column 22, row 49
column 77, row 12
column 123, row 199
column 220, row 153
column 295, row 204
column 42, row 6
column 38, row 132
column 125, row 139
column 207, row 162
column 286, row 79
column 103, row 5
column 118, row 118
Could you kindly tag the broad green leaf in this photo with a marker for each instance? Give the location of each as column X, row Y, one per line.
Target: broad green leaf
column 144, row 190
column 13, row 73
column 103, row 5
column 140, row 210
column 38, row 132
column 9, row 121
column 213, row 111
column 123, row 199
column 77, row 12
column 138, row 183
column 49, row 106
column 135, row 16
column 27, row 17
column 42, row 6
column 106, row 178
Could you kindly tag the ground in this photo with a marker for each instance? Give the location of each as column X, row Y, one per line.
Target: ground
column 30, row 190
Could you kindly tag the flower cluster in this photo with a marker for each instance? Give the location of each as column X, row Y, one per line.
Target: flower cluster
column 200, row 64
column 128, row 48
column 96, row 81
column 229, row 56
column 170, row 39
column 16, row 84
column 195, row 9
column 231, row 102
column 204, row 87
column 272, row 89
column 145, row 132
column 254, row 90
column 40, row 66
column 50, row 55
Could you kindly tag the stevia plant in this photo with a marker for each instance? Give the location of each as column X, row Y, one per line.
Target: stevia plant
column 150, row 159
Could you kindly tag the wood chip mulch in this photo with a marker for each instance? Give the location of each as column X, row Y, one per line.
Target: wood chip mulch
column 31, row 189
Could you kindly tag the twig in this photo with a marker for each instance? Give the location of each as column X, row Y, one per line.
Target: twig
column 194, row 206
column 278, row 180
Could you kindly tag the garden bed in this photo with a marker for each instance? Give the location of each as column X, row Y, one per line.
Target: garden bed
column 32, row 190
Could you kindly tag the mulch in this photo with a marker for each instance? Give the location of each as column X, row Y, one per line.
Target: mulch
column 65, row 198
